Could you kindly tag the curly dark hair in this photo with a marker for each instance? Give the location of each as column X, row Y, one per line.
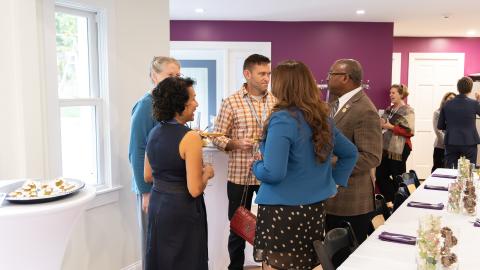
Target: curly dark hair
column 170, row 97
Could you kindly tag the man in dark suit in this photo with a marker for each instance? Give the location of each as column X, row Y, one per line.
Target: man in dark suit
column 457, row 118
column 357, row 118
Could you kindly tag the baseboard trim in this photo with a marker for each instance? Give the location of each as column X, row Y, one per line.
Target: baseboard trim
column 134, row 266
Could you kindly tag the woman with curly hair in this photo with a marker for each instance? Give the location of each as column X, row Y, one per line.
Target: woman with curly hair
column 177, row 221
column 296, row 171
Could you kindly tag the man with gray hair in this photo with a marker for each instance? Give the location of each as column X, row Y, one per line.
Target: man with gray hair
column 141, row 124
column 357, row 118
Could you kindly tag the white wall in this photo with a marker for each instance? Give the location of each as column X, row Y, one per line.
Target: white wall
column 106, row 236
column 20, row 92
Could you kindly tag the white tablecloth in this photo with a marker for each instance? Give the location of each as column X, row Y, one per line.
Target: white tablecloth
column 34, row 236
column 377, row 254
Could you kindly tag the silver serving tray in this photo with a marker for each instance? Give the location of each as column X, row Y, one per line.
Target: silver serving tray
column 43, row 198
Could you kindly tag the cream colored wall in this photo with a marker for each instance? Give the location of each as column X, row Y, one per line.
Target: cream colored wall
column 20, row 92
column 137, row 32
column 105, row 237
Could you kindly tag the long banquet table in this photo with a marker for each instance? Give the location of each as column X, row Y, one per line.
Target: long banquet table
column 377, row 254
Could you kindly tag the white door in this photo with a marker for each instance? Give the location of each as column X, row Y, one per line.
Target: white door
column 430, row 76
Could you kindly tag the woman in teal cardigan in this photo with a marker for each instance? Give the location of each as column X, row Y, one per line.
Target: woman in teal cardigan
column 296, row 171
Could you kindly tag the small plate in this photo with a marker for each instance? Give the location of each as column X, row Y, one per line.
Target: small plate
column 43, row 198
column 211, row 134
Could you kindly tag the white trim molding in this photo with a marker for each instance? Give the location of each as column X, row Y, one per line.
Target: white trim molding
column 134, row 266
column 226, row 55
column 104, row 197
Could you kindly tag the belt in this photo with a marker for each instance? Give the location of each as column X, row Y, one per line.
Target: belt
column 170, row 187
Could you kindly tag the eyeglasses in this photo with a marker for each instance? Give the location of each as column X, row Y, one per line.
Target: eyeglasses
column 330, row 74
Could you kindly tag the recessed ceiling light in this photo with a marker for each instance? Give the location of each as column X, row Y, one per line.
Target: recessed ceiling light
column 446, row 15
column 360, row 12
column 471, row 33
column 199, row 10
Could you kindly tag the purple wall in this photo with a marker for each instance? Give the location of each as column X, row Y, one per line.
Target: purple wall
column 469, row 46
column 317, row 44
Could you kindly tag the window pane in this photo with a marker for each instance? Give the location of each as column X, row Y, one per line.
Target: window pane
column 79, row 143
column 72, row 56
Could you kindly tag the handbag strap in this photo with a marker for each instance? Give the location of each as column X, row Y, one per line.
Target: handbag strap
column 243, row 202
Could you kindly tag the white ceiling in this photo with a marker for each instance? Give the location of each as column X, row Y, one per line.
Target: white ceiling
column 410, row 17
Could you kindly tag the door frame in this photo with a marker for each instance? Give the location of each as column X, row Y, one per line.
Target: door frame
column 222, row 52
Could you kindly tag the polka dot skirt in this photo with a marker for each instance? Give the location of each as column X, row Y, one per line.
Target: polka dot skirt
column 284, row 235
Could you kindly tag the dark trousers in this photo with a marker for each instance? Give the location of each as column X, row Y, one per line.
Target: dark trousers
column 438, row 158
column 236, row 244
column 386, row 172
column 360, row 224
column 454, row 152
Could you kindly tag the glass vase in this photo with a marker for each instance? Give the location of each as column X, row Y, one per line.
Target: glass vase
column 454, row 197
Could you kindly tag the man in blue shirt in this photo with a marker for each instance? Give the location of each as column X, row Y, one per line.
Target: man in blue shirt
column 142, row 123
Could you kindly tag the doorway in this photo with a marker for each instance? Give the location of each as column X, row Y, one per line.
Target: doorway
column 430, row 76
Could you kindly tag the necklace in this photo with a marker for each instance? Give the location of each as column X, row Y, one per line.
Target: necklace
column 393, row 112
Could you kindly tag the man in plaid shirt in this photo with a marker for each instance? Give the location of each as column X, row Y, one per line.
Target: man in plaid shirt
column 241, row 119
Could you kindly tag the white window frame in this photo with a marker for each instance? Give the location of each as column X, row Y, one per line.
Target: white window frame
column 107, row 189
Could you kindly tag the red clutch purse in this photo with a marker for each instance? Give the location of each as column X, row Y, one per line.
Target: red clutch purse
column 243, row 223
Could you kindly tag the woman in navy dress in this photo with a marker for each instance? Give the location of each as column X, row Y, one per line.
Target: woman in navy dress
column 177, row 221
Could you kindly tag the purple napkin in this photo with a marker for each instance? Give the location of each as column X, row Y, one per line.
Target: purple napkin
column 477, row 222
column 444, row 176
column 433, row 187
column 397, row 238
column 433, row 206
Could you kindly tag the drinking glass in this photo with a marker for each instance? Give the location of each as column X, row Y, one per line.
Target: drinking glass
column 197, row 120
column 207, row 157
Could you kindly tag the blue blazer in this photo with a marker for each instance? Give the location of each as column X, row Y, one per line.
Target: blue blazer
column 457, row 118
column 289, row 172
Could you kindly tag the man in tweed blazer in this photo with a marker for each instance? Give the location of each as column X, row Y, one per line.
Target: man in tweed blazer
column 357, row 118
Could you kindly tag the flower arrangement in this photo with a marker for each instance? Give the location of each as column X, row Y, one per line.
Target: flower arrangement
column 463, row 165
column 434, row 245
column 428, row 242
column 469, row 199
column 454, row 197
column 448, row 258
